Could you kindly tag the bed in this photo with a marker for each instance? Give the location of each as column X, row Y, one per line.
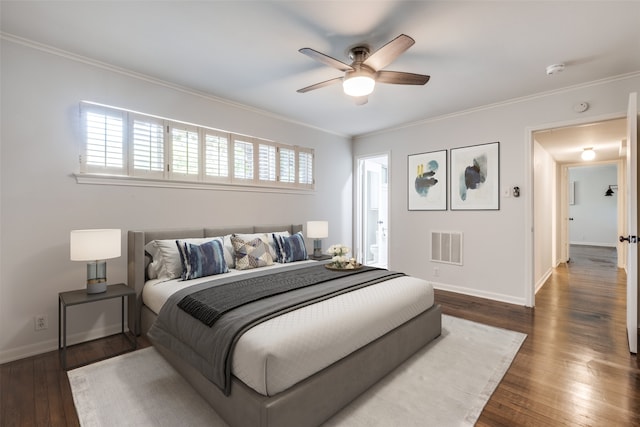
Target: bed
column 288, row 392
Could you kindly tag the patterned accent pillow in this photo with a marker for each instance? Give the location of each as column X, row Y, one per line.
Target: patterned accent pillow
column 265, row 237
column 290, row 248
column 201, row 260
column 252, row 254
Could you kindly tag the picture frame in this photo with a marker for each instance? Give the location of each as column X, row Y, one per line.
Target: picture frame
column 427, row 181
column 475, row 177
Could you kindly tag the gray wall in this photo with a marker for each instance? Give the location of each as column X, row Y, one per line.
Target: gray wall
column 41, row 201
column 497, row 259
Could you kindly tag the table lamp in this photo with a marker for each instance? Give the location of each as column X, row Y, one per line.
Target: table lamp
column 317, row 230
column 95, row 246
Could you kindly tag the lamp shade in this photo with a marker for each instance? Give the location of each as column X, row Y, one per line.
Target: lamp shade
column 93, row 245
column 358, row 83
column 317, row 229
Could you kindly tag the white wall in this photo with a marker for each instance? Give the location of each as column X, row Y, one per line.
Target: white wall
column 495, row 254
column 544, row 212
column 41, row 201
column 594, row 215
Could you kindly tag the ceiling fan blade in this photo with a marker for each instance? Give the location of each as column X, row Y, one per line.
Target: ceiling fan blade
column 361, row 100
column 389, row 52
column 401, row 78
column 325, row 59
column 319, row 85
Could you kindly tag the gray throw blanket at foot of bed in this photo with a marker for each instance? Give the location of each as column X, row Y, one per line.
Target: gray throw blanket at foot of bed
column 234, row 306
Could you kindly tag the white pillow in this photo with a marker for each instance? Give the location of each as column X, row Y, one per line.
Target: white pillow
column 229, row 252
column 166, row 264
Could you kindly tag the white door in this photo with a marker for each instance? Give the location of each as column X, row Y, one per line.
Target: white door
column 632, row 223
column 372, row 211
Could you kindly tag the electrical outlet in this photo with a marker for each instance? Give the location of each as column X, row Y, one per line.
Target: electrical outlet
column 40, row 322
column 436, row 271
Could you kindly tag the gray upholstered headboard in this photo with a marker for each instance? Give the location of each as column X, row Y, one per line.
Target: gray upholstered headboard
column 137, row 259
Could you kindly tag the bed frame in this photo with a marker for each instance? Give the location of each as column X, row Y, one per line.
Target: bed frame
column 308, row 403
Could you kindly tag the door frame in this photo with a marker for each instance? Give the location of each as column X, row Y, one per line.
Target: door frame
column 528, row 238
column 358, row 250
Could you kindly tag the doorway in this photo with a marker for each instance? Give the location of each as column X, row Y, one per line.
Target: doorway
column 372, row 210
column 593, row 207
column 552, row 151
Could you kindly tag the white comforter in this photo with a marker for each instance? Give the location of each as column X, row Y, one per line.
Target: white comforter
column 282, row 351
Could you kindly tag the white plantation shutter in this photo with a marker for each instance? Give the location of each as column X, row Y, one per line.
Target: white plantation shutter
column 305, row 168
column 242, row 160
column 267, row 162
column 216, row 149
column 287, row 165
column 104, row 149
column 184, row 152
column 123, row 143
column 147, row 140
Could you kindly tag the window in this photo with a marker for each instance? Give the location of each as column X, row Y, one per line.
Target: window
column 216, row 155
column 287, row 165
column 130, row 144
column 267, row 162
column 104, row 145
column 184, row 152
column 305, row 168
column 242, row 160
column 147, row 141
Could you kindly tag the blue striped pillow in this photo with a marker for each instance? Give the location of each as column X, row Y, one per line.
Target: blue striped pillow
column 201, row 260
column 290, row 248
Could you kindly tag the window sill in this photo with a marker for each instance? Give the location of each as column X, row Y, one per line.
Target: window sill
column 129, row 181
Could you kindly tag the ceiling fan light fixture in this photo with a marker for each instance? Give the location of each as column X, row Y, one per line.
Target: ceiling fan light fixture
column 588, row 154
column 358, row 84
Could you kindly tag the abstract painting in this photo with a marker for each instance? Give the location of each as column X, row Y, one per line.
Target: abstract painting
column 427, row 181
column 475, row 177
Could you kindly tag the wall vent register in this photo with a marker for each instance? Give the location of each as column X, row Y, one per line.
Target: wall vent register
column 446, row 247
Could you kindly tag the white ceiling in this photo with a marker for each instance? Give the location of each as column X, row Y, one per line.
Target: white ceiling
column 476, row 52
column 565, row 145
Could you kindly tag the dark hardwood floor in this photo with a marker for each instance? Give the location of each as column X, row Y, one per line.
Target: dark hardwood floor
column 573, row 369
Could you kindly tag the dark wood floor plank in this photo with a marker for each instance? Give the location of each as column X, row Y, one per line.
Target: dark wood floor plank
column 574, row 369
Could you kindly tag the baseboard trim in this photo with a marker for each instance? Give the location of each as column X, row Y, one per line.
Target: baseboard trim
column 52, row 344
column 480, row 294
column 542, row 281
column 602, row 245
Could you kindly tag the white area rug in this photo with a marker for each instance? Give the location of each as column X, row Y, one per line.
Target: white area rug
column 447, row 383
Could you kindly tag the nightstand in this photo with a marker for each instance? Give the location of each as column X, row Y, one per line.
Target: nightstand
column 320, row 258
column 67, row 299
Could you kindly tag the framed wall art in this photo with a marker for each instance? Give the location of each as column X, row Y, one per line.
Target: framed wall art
column 427, row 181
column 475, row 177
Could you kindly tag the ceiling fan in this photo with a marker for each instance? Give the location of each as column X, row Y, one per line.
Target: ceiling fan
column 367, row 68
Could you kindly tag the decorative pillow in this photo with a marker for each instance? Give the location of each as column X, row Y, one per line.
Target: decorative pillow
column 201, row 260
column 166, row 264
column 265, row 237
column 290, row 248
column 252, row 254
